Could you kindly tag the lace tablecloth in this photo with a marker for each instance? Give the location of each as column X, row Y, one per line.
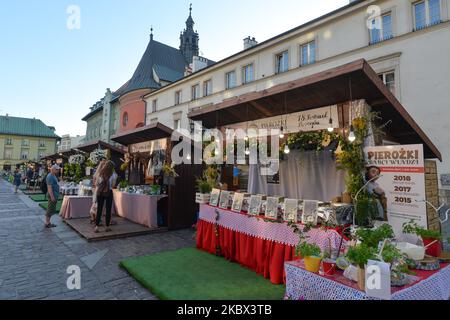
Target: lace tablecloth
column 304, row 285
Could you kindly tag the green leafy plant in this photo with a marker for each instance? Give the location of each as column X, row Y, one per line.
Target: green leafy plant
column 412, row 227
column 305, row 249
column 123, row 184
column 204, row 186
column 169, row 170
column 360, row 254
column 307, row 141
column 372, row 237
column 351, row 159
column 391, row 253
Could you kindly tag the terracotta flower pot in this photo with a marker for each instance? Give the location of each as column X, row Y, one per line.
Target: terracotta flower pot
column 312, row 264
column 435, row 250
column 362, row 279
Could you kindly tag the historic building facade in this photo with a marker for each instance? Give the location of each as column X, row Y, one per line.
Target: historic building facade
column 23, row 140
column 406, row 42
column 102, row 120
column 160, row 65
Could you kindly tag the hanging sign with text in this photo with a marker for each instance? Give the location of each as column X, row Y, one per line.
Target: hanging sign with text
column 401, row 181
column 311, row 120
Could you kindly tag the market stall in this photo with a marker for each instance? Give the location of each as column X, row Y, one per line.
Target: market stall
column 115, row 154
column 329, row 124
column 154, row 187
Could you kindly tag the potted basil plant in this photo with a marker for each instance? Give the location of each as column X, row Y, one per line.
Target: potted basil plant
column 432, row 240
column 311, row 254
column 358, row 256
column 204, row 191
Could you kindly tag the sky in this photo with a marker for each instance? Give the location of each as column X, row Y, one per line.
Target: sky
column 55, row 73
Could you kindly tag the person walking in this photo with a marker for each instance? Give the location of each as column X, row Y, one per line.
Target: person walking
column 105, row 182
column 17, row 180
column 52, row 194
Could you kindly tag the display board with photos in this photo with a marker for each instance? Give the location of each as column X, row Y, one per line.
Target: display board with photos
column 309, row 214
column 255, row 205
column 291, row 210
column 215, row 195
column 224, row 199
column 238, row 201
column 272, row 207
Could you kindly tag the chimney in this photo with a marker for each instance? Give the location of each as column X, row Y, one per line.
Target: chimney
column 198, row 63
column 249, row 42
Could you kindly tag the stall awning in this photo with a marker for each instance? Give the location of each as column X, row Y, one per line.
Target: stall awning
column 154, row 131
column 326, row 88
column 89, row 147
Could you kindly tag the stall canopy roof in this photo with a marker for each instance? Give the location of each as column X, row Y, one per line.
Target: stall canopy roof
column 91, row 146
column 326, row 88
column 154, row 131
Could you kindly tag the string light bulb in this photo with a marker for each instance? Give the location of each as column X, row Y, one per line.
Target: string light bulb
column 188, row 157
column 286, row 149
column 247, row 151
column 331, row 128
column 351, row 136
column 281, row 132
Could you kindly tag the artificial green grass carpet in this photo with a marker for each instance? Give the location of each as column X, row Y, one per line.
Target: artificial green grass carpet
column 41, row 198
column 44, row 205
column 191, row 274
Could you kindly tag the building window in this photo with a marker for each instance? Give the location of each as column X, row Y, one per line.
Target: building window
column 195, row 92
column 282, row 61
column 248, row 74
column 178, row 97
column 8, row 141
column 41, row 144
column 426, row 13
column 384, row 32
column 125, row 119
column 154, row 105
column 308, row 53
column 24, row 155
column 25, row 143
column 388, row 79
column 8, row 154
column 230, row 80
column 177, row 124
column 207, row 88
column 41, row 154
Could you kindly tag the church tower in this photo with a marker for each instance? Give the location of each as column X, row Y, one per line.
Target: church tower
column 189, row 40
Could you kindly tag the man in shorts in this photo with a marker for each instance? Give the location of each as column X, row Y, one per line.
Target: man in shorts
column 52, row 194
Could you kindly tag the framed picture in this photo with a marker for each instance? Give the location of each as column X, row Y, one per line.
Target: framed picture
column 291, row 210
column 272, row 207
column 238, row 201
column 310, row 212
column 224, row 199
column 255, row 205
column 215, row 194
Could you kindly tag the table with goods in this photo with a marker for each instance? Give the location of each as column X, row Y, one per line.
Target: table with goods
column 139, row 204
column 262, row 233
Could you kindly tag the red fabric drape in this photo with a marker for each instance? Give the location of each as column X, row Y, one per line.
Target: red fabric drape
column 265, row 257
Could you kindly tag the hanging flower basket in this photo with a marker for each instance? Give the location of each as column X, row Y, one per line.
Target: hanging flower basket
column 77, row 159
column 98, row 155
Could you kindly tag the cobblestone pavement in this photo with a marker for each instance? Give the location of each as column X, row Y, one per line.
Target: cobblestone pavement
column 34, row 260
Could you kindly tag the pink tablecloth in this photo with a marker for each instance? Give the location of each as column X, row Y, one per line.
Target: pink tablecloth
column 74, row 207
column 139, row 208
